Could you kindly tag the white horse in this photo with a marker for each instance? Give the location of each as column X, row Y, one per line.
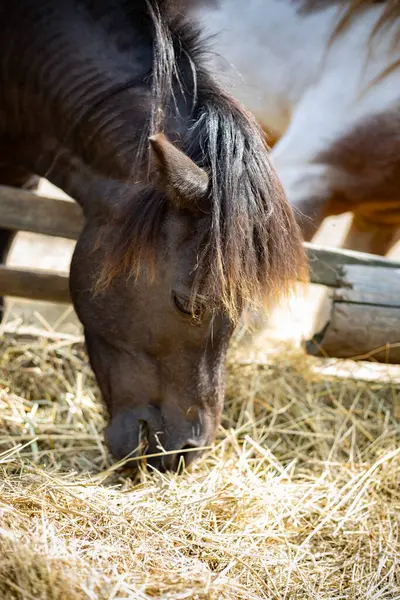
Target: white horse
column 321, row 77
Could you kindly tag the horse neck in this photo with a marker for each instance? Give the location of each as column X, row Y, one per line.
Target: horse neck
column 87, row 105
column 271, row 54
column 71, row 87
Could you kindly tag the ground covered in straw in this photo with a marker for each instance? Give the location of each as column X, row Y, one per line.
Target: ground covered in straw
column 298, row 499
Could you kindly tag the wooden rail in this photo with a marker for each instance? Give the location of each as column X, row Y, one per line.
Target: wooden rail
column 34, row 284
column 21, row 210
column 326, row 264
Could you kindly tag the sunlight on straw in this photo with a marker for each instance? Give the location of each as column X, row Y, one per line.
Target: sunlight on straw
column 299, row 497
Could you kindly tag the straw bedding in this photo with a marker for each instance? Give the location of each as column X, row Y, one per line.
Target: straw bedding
column 299, row 498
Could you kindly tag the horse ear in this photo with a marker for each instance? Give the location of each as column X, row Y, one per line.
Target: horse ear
column 185, row 183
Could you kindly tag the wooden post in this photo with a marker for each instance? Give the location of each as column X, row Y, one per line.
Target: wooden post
column 361, row 318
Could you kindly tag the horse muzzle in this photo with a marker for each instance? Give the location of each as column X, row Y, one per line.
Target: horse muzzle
column 143, row 433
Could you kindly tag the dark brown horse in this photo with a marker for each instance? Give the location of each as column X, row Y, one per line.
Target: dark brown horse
column 185, row 220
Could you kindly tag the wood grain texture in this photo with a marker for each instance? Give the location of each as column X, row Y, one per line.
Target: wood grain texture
column 361, row 318
column 326, row 264
column 34, row 284
column 21, row 210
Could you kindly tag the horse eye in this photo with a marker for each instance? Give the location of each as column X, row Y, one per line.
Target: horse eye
column 182, row 303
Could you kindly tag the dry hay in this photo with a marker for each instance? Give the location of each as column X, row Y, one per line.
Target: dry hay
column 298, row 499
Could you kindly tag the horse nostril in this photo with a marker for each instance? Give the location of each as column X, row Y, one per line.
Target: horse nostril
column 144, row 434
column 181, row 459
column 189, row 448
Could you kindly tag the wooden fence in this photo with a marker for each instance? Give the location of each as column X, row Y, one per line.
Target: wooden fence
column 362, row 312
column 21, row 210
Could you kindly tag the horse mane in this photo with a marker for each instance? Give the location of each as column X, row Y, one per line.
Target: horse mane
column 252, row 247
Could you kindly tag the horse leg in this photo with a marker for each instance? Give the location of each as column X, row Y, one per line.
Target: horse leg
column 367, row 236
column 14, row 177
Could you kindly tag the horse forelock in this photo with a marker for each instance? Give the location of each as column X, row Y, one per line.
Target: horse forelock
column 251, row 247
